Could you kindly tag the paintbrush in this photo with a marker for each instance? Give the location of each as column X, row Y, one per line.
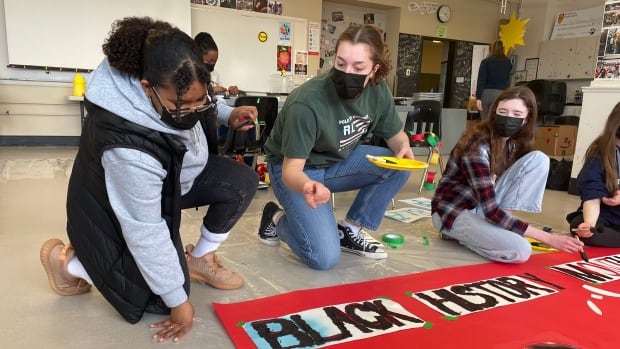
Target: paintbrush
column 582, row 253
column 376, row 158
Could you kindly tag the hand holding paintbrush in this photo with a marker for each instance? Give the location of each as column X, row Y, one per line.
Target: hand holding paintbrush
column 582, row 227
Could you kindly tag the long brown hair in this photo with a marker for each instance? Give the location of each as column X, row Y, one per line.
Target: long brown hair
column 369, row 35
column 497, row 50
column 502, row 156
column 604, row 146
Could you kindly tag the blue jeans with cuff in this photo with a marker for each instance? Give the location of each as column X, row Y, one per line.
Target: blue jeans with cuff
column 313, row 233
column 519, row 188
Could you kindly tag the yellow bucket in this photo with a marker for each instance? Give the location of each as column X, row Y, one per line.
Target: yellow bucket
column 79, row 85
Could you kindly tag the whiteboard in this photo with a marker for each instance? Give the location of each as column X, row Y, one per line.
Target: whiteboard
column 244, row 60
column 69, row 33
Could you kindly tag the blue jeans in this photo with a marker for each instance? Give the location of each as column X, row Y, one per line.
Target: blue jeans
column 313, row 233
column 520, row 188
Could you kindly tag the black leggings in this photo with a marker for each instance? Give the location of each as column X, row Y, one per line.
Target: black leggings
column 227, row 187
column 605, row 234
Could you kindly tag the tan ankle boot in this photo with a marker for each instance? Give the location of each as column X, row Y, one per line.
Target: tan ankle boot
column 54, row 256
column 209, row 270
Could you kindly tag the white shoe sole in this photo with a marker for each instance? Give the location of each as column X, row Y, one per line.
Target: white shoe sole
column 270, row 242
column 371, row 255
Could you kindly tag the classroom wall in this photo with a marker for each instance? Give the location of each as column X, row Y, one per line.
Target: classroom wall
column 472, row 20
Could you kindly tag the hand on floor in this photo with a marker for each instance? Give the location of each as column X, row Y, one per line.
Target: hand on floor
column 180, row 323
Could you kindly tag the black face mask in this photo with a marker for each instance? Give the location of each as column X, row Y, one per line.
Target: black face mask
column 507, row 126
column 183, row 123
column 210, row 67
column 348, row 85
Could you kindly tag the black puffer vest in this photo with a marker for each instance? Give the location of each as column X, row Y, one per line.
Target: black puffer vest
column 92, row 226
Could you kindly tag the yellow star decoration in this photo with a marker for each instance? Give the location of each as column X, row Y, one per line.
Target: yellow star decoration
column 512, row 32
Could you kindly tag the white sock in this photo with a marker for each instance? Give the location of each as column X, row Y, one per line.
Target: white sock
column 276, row 216
column 75, row 268
column 208, row 242
column 354, row 228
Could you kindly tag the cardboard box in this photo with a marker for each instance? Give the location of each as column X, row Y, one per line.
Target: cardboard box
column 556, row 140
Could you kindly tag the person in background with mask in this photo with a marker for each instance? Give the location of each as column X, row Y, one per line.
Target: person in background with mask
column 143, row 157
column 597, row 220
column 493, row 171
column 315, row 148
column 210, row 55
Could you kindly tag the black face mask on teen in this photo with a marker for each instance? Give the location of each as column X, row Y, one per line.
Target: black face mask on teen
column 185, row 122
column 507, row 126
column 182, row 119
column 210, row 67
column 348, row 85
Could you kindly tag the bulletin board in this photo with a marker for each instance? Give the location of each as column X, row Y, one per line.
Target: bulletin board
column 336, row 18
column 244, row 60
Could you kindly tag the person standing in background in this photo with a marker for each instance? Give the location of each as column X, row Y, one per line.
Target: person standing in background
column 210, row 55
column 493, row 78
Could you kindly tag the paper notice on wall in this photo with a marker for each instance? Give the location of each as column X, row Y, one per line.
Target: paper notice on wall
column 580, row 23
column 314, row 38
column 301, row 62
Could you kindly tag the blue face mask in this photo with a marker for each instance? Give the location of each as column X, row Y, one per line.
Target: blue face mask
column 507, row 126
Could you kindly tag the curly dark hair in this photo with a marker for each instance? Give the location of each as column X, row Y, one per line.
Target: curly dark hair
column 370, row 35
column 155, row 51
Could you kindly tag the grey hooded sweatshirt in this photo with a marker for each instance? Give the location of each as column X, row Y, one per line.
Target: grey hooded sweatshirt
column 134, row 179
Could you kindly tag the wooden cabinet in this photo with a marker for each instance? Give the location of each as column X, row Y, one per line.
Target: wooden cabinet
column 568, row 59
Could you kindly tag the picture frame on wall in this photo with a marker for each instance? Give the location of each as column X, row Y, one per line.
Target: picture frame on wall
column 531, row 69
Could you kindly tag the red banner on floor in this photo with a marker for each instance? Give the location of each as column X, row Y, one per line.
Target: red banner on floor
column 553, row 298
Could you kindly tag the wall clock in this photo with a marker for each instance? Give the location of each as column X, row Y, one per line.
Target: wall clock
column 444, row 13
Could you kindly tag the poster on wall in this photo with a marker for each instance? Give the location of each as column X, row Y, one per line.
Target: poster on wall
column 274, row 7
column 283, row 58
column 284, row 32
column 608, row 64
column 314, row 38
column 301, row 62
column 228, row 3
column 575, row 24
column 262, row 6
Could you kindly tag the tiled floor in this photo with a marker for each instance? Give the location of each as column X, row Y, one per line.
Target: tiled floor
column 33, row 183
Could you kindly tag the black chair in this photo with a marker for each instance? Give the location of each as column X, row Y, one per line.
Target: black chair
column 238, row 143
column 423, row 126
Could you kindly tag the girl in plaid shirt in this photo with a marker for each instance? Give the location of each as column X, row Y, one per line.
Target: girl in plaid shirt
column 492, row 171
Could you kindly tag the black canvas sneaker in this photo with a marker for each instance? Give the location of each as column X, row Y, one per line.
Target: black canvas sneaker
column 267, row 231
column 357, row 244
